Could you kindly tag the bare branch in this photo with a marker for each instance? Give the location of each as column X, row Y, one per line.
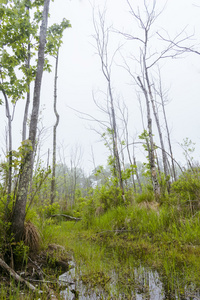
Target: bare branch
column 90, row 117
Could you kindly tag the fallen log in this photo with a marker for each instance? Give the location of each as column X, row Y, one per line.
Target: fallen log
column 66, row 216
column 18, row 278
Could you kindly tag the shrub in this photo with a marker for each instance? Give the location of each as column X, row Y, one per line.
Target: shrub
column 147, row 196
column 187, row 189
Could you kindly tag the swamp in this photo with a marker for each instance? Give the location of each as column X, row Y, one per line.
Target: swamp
column 124, row 222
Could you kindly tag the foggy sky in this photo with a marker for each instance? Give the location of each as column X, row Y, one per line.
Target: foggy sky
column 80, row 75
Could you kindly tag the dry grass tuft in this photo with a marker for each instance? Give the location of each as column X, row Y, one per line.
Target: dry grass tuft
column 31, row 236
column 150, row 205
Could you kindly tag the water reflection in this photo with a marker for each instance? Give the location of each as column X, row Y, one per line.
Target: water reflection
column 135, row 283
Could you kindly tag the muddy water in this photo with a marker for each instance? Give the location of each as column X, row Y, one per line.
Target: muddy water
column 126, row 281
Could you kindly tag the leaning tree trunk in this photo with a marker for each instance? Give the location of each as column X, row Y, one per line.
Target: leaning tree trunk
column 19, row 211
column 53, row 180
column 164, row 156
column 168, row 137
column 151, row 150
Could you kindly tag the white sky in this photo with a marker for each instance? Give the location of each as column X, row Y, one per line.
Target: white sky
column 80, row 74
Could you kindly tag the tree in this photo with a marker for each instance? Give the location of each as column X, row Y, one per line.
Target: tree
column 102, row 37
column 163, row 98
column 148, row 59
column 15, row 29
column 18, row 216
column 54, row 41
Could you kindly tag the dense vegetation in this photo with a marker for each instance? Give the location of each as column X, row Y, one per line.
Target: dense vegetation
column 126, row 215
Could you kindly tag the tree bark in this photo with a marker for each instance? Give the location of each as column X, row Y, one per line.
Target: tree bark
column 27, row 99
column 28, row 84
column 53, row 180
column 9, row 189
column 154, row 178
column 18, row 217
column 168, row 134
column 102, row 37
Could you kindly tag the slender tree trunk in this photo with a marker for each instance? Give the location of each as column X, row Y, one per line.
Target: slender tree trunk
column 9, row 189
column 154, row 178
column 141, row 111
column 53, row 180
column 115, row 147
column 102, row 36
column 169, row 139
column 164, row 156
column 27, row 98
column 125, row 120
column 137, row 175
column 26, row 167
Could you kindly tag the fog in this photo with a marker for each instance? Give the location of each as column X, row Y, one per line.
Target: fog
column 80, row 78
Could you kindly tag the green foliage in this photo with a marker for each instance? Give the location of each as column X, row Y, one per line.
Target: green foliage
column 107, row 196
column 21, row 253
column 88, row 214
column 186, row 190
column 119, row 218
column 147, row 196
column 16, row 29
column 32, row 215
column 40, row 191
column 18, row 157
column 144, row 136
column 188, row 147
column 54, row 36
column 50, row 209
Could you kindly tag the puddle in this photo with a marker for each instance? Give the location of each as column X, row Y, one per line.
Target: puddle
column 135, row 283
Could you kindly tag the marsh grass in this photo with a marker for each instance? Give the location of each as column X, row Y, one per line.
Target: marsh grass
column 11, row 291
column 125, row 238
column 117, row 250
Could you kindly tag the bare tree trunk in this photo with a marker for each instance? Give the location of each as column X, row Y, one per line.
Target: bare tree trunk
column 53, row 180
column 26, row 167
column 169, row 142
column 126, row 136
column 9, row 189
column 115, row 147
column 28, row 84
column 137, row 175
column 160, row 92
column 102, row 37
column 164, row 156
column 154, row 178
column 27, row 98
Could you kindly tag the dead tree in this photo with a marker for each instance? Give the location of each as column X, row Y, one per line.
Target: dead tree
column 102, row 38
column 162, row 96
column 132, row 159
column 53, row 180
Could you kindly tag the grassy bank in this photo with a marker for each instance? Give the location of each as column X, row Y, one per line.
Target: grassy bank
column 117, row 250
column 160, row 238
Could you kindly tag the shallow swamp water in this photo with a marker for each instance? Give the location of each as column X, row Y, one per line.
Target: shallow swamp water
column 122, row 275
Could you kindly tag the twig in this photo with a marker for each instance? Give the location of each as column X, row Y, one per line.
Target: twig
column 40, row 270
